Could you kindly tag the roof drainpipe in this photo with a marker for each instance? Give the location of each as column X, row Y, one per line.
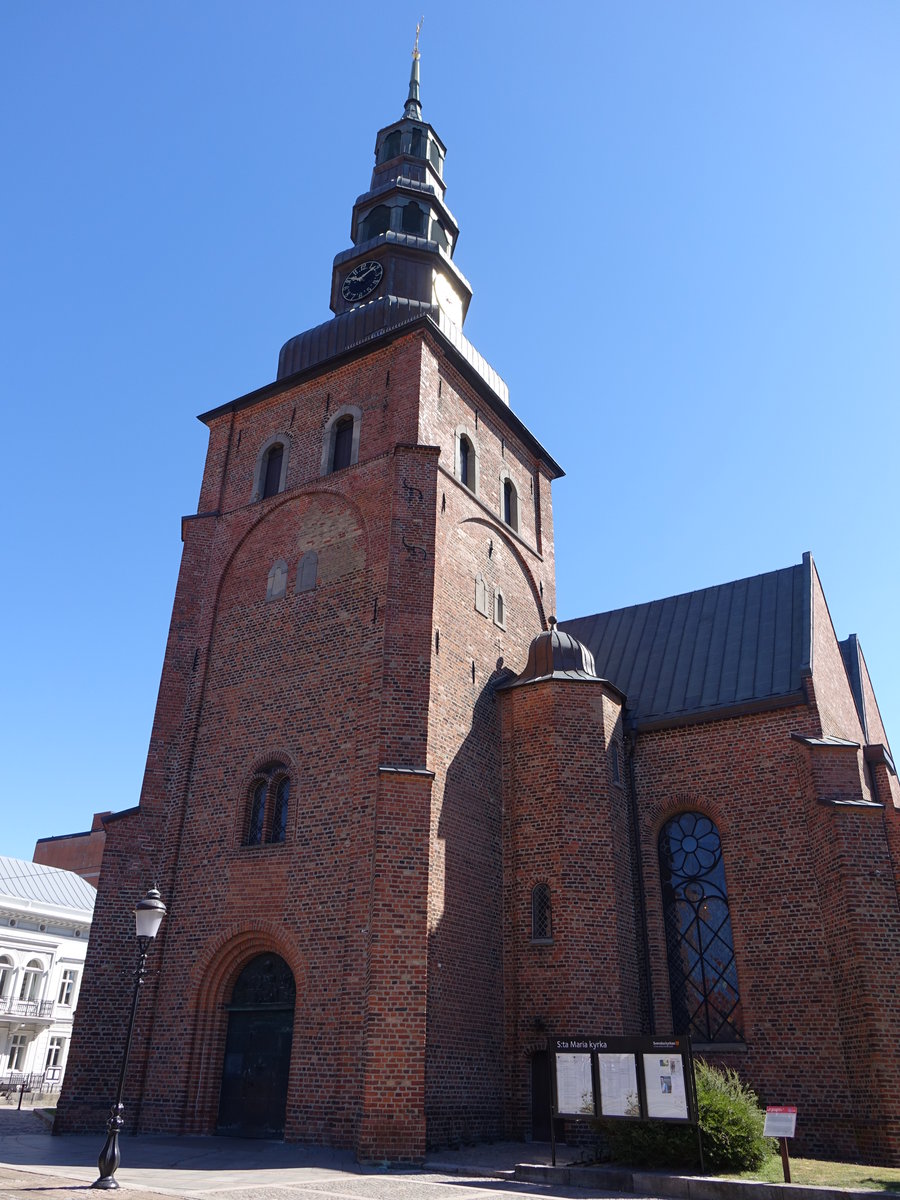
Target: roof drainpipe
column 631, row 742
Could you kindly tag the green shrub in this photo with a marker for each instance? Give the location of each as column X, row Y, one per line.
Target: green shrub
column 731, row 1125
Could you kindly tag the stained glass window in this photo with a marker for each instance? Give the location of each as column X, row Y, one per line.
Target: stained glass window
column 706, row 1000
column 279, row 816
column 257, row 814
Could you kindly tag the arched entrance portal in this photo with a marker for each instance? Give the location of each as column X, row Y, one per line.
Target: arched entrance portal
column 258, row 1050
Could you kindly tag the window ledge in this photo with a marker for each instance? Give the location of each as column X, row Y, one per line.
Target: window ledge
column 542, row 941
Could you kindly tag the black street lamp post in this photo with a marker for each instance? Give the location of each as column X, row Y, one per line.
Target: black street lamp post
column 148, row 913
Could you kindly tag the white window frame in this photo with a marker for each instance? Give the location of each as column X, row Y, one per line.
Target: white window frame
column 67, row 984
column 55, row 1051
column 18, row 1047
column 31, row 986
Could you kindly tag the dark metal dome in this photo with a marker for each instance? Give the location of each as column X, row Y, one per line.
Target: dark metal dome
column 555, row 654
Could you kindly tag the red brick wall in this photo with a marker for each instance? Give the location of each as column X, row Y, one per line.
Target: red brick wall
column 370, row 896
column 566, row 824
column 78, row 852
column 791, row 883
column 470, row 653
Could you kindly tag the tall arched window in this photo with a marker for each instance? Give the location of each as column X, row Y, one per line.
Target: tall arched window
column 465, row 461
column 499, row 609
column 417, row 143
column 541, row 923
column 272, row 475
column 510, row 504
column 414, row 218
column 376, row 222
column 390, row 147
column 31, row 981
column 340, row 439
column 706, row 1001
column 278, row 832
column 267, row 813
column 343, row 444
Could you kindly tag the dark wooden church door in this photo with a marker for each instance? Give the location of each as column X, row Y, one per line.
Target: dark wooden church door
column 258, row 1050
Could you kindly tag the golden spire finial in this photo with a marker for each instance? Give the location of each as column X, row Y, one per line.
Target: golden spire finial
column 418, row 31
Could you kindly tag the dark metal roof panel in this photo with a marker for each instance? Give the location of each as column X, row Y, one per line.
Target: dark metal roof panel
column 850, row 654
column 743, row 642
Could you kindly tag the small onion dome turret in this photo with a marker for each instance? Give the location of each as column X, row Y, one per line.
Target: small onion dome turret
column 555, row 654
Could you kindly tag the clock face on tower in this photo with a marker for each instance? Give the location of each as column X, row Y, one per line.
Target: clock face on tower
column 363, row 279
column 445, row 295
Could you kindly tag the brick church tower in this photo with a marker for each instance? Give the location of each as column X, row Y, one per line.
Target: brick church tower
column 372, row 552
column 406, row 825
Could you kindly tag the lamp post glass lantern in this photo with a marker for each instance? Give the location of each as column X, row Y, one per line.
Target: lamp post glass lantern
column 148, row 915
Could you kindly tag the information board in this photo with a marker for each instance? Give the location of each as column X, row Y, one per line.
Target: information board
column 781, row 1121
column 664, row 1086
column 618, row 1085
column 574, row 1085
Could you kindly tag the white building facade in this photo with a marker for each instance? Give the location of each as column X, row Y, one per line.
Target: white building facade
column 45, row 922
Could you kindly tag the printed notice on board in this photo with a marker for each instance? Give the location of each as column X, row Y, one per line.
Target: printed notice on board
column 574, row 1085
column 618, row 1085
column 781, row 1121
column 664, row 1083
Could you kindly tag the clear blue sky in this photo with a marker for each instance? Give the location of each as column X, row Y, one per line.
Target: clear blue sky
column 681, row 224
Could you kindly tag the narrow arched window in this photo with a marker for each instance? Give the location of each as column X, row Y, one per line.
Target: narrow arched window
column 541, row 922
column 341, row 439
column 414, row 218
column 614, row 768
column 271, row 480
column 510, row 504
column 465, row 461
column 256, row 824
column 280, row 810
column 417, row 144
column 499, row 609
column 376, row 222
column 703, row 979
column 343, row 444
column 267, row 814
column 390, row 147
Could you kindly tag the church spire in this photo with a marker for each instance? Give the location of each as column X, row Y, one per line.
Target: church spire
column 413, row 109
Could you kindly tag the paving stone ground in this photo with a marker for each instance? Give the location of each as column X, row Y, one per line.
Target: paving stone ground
column 34, row 1165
